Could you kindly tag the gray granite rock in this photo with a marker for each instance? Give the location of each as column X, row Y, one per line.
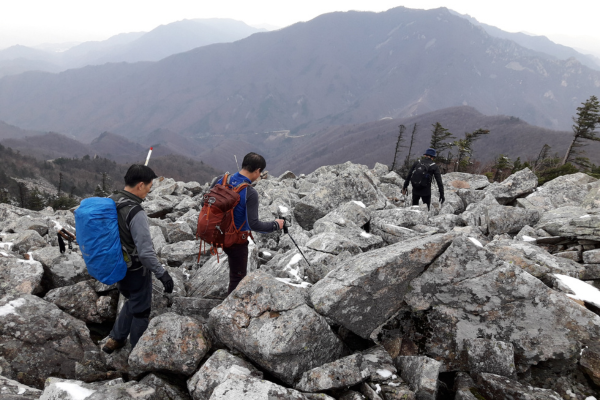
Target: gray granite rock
column 62, row 269
column 13, row 390
column 82, row 302
column 462, row 180
column 176, row 254
column 179, row 232
column 215, row 371
column 251, row 388
column 165, row 390
column 27, row 241
column 499, row 387
column 332, row 243
column 518, row 184
column 63, row 389
column 566, row 190
column 491, row 356
column 194, row 307
column 20, row 276
column 171, row 343
column 421, row 373
column 270, row 322
column 366, row 290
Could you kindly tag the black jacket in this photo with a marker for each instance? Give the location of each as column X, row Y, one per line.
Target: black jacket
column 433, row 170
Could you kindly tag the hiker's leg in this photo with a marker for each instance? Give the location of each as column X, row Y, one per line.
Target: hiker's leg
column 415, row 200
column 238, row 264
column 427, row 200
column 122, row 325
column 140, row 305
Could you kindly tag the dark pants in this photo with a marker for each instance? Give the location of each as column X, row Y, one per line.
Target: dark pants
column 133, row 319
column 238, row 264
column 426, row 199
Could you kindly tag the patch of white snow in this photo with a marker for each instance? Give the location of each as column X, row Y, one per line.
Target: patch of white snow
column 11, row 307
column 585, row 216
column 266, row 253
column 6, row 245
column 384, row 373
column 74, row 390
column 288, row 281
column 528, row 238
column 360, row 203
column 583, row 291
column 476, row 242
column 283, row 209
column 365, row 235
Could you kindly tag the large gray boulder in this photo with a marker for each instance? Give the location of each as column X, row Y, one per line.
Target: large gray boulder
column 518, row 184
column 179, row 231
column 13, row 390
column 215, row 371
column 39, row 340
column 21, row 276
column 64, row 389
column 30, row 221
column 566, row 190
column 332, row 243
column 374, row 364
column 491, row 356
column 62, row 269
column 495, row 219
column 270, row 322
column 499, row 387
column 158, row 207
column 82, row 302
column 194, row 307
column 165, row 389
column 367, row 289
column 27, row 241
column 554, row 220
column 421, row 373
column 571, row 222
column 463, row 180
column 171, row 343
column 337, row 185
column 176, row 254
column 468, row 293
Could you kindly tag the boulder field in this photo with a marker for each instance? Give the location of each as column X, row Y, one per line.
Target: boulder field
column 491, row 295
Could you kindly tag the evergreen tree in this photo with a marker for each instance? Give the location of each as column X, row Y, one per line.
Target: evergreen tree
column 588, row 118
column 23, row 194
column 36, row 201
column 439, row 142
column 502, row 165
column 465, row 148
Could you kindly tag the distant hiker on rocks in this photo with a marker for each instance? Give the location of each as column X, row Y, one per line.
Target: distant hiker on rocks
column 420, row 177
column 245, row 216
column 136, row 241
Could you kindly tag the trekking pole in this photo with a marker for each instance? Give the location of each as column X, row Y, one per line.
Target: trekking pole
column 236, row 162
column 148, row 158
column 285, row 230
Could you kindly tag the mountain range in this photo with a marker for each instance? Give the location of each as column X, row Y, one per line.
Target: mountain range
column 161, row 42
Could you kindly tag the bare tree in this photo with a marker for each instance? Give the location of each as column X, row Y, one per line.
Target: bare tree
column 401, row 129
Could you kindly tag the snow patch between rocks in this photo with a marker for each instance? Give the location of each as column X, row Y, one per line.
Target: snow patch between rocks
column 6, row 246
column 384, row 373
column 476, row 242
column 582, row 290
column 365, row 235
column 288, row 281
column 75, row 391
column 3, row 254
column 528, row 238
column 11, row 307
column 283, row 209
column 360, row 203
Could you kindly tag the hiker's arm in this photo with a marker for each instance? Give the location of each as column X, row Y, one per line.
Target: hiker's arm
column 438, row 178
column 252, row 214
column 140, row 232
column 407, row 180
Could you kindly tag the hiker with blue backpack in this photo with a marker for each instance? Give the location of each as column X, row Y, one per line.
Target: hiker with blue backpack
column 116, row 245
column 420, row 177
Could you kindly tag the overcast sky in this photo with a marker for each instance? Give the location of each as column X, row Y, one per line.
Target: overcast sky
column 32, row 22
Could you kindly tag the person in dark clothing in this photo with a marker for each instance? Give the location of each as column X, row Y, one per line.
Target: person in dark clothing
column 245, row 216
column 140, row 257
column 420, row 177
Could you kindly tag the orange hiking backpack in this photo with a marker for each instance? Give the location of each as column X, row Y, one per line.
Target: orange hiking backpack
column 215, row 223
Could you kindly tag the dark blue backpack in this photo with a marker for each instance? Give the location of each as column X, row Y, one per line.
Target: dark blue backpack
column 421, row 177
column 97, row 224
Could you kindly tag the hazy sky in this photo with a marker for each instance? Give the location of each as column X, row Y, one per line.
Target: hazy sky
column 32, row 22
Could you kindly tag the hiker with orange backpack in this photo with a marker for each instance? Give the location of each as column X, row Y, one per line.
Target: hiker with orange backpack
column 230, row 212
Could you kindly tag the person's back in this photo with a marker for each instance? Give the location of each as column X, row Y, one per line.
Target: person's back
column 420, row 177
column 245, row 216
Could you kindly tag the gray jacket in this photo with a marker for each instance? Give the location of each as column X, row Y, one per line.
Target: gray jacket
column 135, row 238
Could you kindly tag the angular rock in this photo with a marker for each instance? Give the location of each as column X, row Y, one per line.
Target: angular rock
column 404, row 217
column 158, row 207
column 465, row 387
column 186, row 205
column 590, row 362
column 470, row 196
column 380, row 170
column 62, row 269
column 171, row 343
column 39, row 340
column 30, row 221
column 535, row 260
column 165, row 390
column 554, row 220
column 393, row 178
column 421, row 373
column 271, row 324
column 491, row 356
column 163, row 186
column 374, row 363
column 179, row 232
column 351, row 395
column 251, row 388
column 591, row 256
column 569, row 255
column 63, row 389
column 158, row 239
column 28, row 240
column 13, row 390
column 337, row 185
column 366, row 290
column 365, row 241
column 215, row 371
column 462, row 180
column 566, row 190
column 191, row 218
column 82, row 302
column 290, row 265
column 20, row 276
column 161, row 301
column 499, row 387
column 518, row 184
column 468, row 293
column 287, row 175
column 494, row 219
column 182, row 252
column 194, row 307
column 592, row 199
column 350, row 214
column 332, row 243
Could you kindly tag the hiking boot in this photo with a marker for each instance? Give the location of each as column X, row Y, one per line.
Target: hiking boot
column 112, row 345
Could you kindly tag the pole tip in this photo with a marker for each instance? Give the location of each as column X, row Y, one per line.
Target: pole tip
column 150, row 148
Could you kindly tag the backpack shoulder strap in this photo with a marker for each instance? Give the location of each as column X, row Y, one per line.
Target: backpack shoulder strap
column 136, row 208
column 240, row 187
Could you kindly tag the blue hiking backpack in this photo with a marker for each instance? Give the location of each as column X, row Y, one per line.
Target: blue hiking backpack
column 96, row 221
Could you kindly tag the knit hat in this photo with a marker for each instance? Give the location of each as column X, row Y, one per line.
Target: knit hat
column 430, row 152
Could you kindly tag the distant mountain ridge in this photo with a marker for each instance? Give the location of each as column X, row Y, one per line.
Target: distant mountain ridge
column 159, row 43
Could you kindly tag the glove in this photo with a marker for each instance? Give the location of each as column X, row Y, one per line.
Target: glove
column 167, row 282
column 442, row 199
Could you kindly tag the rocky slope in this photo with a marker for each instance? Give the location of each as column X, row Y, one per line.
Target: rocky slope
column 491, row 295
